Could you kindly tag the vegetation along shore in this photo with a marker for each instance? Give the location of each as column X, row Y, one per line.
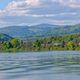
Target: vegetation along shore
column 64, row 42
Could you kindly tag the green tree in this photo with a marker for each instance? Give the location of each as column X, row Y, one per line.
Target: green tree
column 15, row 43
column 7, row 45
column 70, row 45
column 36, row 45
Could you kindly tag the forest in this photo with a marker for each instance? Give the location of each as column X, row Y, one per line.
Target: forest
column 64, row 42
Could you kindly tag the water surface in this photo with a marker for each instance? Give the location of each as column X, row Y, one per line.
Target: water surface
column 56, row 65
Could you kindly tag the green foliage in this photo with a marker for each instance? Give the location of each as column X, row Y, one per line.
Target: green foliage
column 66, row 42
column 70, row 45
column 15, row 42
column 7, row 45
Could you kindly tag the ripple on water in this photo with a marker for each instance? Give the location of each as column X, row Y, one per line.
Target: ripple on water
column 14, row 66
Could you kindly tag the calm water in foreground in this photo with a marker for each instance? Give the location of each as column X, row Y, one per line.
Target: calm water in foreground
column 56, row 65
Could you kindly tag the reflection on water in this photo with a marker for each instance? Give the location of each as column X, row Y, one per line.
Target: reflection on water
column 57, row 65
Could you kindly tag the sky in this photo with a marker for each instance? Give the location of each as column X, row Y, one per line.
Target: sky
column 31, row 12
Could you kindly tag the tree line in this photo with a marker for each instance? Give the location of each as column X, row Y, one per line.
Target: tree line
column 65, row 42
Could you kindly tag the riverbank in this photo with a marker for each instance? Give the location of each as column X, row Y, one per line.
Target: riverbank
column 55, row 43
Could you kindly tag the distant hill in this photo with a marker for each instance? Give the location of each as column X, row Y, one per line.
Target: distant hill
column 17, row 31
column 41, row 30
column 4, row 37
column 26, row 32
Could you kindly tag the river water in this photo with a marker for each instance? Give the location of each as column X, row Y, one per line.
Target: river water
column 56, row 65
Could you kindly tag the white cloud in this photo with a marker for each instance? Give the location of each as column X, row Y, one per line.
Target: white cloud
column 44, row 15
column 33, row 2
column 39, row 9
column 53, row 15
column 23, row 4
column 71, row 3
column 64, row 22
column 22, row 7
column 68, row 13
column 19, row 7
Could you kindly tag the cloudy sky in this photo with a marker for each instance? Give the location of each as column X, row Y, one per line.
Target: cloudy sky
column 30, row 12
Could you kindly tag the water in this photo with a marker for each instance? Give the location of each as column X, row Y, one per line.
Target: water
column 57, row 65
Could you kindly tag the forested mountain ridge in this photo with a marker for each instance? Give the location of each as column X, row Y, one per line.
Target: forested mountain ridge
column 41, row 30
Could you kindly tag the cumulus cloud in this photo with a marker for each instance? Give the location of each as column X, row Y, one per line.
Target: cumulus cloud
column 22, row 7
column 40, row 10
column 33, row 2
column 19, row 7
column 69, row 3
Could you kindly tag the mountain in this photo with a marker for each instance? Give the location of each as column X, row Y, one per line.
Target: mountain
column 4, row 37
column 17, row 31
column 25, row 32
column 41, row 30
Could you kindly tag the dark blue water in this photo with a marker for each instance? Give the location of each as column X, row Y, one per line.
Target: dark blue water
column 57, row 65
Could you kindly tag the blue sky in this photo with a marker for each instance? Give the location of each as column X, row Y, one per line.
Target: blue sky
column 31, row 12
column 4, row 3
